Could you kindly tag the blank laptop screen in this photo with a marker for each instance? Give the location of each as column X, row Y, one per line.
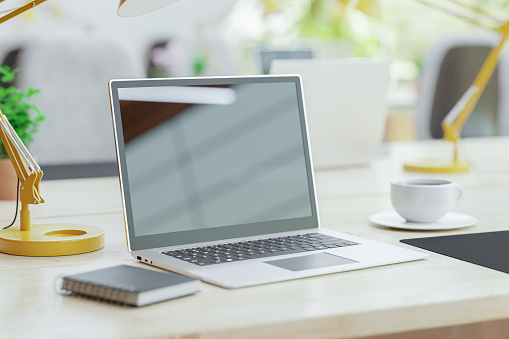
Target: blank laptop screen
column 209, row 156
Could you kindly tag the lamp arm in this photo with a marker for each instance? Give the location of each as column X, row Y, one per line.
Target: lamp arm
column 455, row 120
column 11, row 148
column 28, row 171
column 20, row 10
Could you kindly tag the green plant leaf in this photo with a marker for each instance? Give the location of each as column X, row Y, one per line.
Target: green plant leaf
column 16, row 105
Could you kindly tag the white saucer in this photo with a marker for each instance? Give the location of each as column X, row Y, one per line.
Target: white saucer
column 450, row 221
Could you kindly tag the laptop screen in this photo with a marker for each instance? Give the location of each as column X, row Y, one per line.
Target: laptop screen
column 200, row 158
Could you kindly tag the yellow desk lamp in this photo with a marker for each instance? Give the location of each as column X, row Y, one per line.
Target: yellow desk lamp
column 50, row 239
column 454, row 121
column 39, row 240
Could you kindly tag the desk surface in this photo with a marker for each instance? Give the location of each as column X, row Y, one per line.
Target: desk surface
column 438, row 291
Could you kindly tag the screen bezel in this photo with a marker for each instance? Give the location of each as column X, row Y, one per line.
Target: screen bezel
column 215, row 233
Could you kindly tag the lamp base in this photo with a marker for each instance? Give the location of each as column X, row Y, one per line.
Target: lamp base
column 436, row 166
column 51, row 240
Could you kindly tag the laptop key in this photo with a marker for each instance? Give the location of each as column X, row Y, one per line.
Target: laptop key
column 253, row 249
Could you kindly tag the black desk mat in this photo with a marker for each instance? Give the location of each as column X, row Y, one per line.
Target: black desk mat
column 490, row 249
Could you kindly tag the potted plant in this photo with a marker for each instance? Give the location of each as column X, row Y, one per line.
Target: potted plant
column 16, row 104
column 342, row 29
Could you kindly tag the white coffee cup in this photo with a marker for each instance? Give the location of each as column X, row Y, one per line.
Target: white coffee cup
column 424, row 199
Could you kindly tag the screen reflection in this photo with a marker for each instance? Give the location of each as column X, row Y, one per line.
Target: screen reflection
column 209, row 156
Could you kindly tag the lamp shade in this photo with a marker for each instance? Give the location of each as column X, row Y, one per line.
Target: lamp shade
column 130, row 8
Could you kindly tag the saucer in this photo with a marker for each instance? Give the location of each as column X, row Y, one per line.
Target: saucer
column 450, row 221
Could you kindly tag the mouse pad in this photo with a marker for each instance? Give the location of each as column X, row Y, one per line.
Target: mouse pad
column 490, row 249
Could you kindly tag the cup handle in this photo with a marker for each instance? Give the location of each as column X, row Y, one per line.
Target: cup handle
column 460, row 194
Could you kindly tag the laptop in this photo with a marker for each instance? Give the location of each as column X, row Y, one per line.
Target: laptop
column 346, row 105
column 217, row 182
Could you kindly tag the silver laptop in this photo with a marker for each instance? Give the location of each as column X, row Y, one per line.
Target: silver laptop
column 346, row 106
column 217, row 183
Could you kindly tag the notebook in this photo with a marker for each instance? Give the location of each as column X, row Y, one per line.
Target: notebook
column 346, row 105
column 130, row 285
column 488, row 249
column 217, row 183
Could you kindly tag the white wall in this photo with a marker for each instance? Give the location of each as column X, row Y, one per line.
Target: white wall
column 57, row 17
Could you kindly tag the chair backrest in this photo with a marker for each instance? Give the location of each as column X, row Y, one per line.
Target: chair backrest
column 72, row 74
column 449, row 70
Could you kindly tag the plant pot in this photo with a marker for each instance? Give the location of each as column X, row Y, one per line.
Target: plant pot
column 8, row 180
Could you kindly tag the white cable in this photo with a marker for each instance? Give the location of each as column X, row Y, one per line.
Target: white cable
column 12, row 9
column 460, row 105
column 12, row 144
column 26, row 153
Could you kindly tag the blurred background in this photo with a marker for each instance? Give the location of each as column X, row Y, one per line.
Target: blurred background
column 70, row 49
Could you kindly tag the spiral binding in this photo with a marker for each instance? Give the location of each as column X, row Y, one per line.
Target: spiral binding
column 87, row 290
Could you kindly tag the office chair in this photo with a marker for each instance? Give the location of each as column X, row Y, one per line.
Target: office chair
column 449, row 69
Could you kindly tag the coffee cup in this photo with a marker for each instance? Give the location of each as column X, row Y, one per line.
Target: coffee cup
column 424, row 200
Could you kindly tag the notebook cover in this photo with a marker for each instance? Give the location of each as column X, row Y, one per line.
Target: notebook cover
column 490, row 249
column 129, row 278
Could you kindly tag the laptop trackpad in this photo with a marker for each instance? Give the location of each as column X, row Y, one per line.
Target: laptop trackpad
column 309, row 262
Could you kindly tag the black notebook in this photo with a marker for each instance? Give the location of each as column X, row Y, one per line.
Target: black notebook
column 130, row 285
column 488, row 249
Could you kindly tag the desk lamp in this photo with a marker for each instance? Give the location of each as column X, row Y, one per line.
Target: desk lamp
column 50, row 239
column 458, row 115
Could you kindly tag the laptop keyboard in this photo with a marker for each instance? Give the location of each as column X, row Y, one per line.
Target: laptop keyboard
column 238, row 251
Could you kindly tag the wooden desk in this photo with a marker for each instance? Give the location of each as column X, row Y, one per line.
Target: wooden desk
column 416, row 296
